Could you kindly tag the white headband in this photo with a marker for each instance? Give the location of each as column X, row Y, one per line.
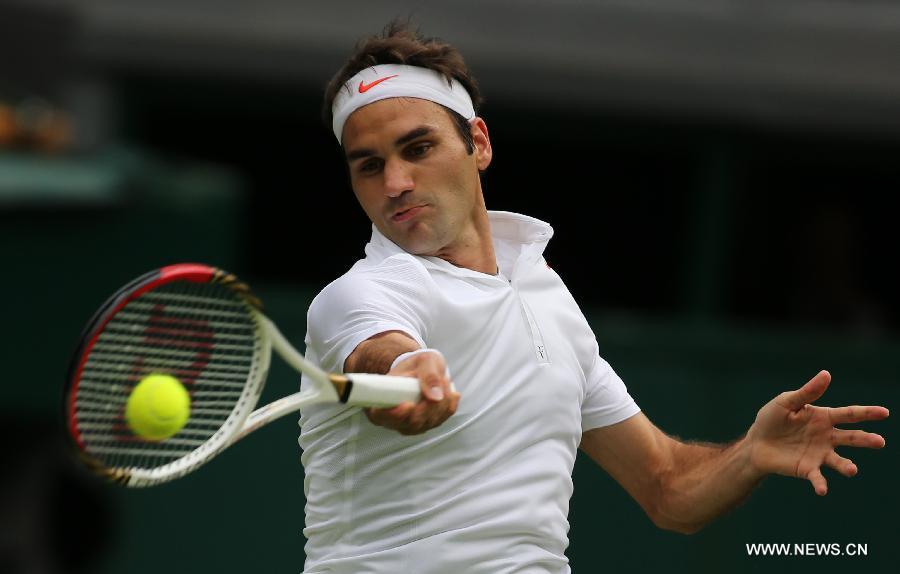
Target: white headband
column 397, row 81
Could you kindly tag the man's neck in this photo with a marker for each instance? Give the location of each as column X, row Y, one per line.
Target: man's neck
column 474, row 248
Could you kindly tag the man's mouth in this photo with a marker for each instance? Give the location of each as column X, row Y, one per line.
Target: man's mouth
column 407, row 213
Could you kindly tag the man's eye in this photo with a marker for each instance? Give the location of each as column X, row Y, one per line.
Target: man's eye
column 419, row 150
column 371, row 166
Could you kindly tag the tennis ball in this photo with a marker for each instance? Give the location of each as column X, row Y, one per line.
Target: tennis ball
column 158, row 407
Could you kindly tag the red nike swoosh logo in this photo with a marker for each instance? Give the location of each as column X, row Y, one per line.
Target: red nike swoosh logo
column 363, row 87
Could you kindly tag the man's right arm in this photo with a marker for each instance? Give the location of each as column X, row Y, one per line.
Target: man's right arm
column 377, row 353
column 439, row 401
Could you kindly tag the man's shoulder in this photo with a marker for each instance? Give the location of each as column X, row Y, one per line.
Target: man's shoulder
column 367, row 279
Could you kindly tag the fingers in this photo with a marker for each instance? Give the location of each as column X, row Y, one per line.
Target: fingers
column 386, row 417
column 842, row 465
column 836, row 462
column 820, row 485
column 808, row 393
column 432, row 379
column 856, row 413
column 426, row 416
column 857, row 438
column 415, row 418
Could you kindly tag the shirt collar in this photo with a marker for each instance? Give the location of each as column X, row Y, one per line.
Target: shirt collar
column 518, row 239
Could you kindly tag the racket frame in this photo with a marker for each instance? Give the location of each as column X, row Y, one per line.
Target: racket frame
column 354, row 389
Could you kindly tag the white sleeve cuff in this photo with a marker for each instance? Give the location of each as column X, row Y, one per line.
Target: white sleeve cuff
column 404, row 356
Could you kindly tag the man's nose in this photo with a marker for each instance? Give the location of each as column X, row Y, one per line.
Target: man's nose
column 397, row 178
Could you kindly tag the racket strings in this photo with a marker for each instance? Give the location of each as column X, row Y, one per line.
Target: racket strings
column 203, row 334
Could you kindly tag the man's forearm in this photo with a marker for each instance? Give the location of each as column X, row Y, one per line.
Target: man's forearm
column 376, row 354
column 703, row 482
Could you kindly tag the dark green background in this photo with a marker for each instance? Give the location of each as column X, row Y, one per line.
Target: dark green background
column 243, row 512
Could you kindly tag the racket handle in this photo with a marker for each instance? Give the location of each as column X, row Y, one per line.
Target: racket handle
column 382, row 390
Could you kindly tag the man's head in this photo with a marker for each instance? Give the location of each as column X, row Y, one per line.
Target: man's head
column 400, row 44
column 414, row 163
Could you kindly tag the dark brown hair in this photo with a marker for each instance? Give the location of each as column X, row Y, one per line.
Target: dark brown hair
column 399, row 43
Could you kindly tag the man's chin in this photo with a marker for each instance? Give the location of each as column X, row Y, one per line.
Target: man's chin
column 417, row 246
column 416, row 240
column 423, row 250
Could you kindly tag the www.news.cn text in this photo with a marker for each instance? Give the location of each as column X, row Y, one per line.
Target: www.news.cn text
column 807, row 549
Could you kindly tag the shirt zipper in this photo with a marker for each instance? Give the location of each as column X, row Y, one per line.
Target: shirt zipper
column 540, row 349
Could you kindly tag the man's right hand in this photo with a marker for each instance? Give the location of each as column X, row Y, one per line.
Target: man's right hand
column 439, row 399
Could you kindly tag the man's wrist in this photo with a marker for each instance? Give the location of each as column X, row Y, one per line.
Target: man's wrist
column 745, row 451
column 403, row 356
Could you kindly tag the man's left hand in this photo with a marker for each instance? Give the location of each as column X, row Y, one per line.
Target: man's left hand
column 794, row 438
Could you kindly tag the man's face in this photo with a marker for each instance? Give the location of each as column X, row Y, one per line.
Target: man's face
column 412, row 174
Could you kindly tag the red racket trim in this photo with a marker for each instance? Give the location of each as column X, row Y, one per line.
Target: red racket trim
column 193, row 272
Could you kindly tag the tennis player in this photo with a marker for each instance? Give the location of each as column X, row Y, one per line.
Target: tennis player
column 476, row 477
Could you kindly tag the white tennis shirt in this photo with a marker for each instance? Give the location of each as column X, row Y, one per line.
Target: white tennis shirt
column 488, row 491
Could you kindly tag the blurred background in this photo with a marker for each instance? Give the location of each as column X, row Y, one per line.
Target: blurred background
column 720, row 175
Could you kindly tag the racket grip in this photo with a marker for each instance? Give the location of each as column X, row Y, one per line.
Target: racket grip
column 382, row 390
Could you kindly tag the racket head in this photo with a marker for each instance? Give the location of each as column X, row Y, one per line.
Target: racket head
column 191, row 321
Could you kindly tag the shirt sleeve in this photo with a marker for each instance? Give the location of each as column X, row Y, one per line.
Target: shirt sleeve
column 606, row 400
column 364, row 303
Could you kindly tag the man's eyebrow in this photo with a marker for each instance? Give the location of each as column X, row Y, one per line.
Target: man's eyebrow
column 404, row 139
column 411, row 135
column 359, row 154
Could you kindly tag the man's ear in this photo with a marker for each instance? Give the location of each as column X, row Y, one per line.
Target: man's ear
column 482, row 141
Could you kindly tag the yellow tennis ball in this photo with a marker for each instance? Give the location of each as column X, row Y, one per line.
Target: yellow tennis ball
column 159, row 406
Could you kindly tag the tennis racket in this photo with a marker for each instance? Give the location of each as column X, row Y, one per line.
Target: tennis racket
column 204, row 327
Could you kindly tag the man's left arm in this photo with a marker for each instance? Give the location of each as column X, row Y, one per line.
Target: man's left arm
column 682, row 486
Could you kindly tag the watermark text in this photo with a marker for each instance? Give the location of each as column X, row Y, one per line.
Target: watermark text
column 807, row 549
